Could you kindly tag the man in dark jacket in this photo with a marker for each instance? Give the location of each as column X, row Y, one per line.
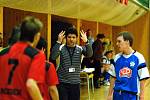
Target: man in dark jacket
column 97, row 55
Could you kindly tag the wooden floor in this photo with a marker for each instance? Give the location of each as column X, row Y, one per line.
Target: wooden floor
column 101, row 93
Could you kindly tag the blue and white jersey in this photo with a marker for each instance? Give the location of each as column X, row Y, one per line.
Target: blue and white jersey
column 129, row 70
column 105, row 60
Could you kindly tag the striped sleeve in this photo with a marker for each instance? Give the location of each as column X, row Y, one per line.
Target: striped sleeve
column 143, row 73
column 112, row 71
column 142, row 69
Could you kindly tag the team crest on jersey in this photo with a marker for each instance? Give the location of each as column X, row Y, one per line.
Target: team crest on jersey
column 132, row 64
column 125, row 72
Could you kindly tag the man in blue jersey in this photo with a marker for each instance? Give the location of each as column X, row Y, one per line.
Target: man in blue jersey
column 129, row 71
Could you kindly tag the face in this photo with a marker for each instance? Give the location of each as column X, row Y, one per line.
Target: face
column 90, row 33
column 102, row 39
column 110, row 55
column 121, row 44
column 71, row 40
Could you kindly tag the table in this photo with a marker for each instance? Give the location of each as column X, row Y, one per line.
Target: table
column 88, row 74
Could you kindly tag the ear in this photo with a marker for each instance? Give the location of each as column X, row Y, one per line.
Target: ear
column 43, row 49
column 36, row 39
column 128, row 42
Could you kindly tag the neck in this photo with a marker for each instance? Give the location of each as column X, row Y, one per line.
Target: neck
column 31, row 44
column 71, row 45
column 128, row 51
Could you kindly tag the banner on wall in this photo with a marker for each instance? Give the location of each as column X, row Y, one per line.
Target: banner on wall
column 125, row 2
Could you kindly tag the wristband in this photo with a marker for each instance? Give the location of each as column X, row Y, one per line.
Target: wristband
column 58, row 42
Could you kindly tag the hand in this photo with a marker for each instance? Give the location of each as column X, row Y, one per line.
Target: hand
column 141, row 96
column 61, row 36
column 109, row 97
column 83, row 36
column 106, row 67
column 91, row 61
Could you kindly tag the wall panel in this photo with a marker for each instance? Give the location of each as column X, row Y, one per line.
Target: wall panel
column 106, row 29
column 12, row 17
column 85, row 25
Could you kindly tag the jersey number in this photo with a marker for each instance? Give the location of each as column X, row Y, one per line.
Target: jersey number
column 14, row 62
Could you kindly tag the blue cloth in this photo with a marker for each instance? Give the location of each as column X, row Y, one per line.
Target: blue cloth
column 107, row 76
column 124, row 96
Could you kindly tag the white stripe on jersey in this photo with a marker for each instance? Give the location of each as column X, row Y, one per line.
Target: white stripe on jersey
column 143, row 73
column 140, row 57
column 112, row 71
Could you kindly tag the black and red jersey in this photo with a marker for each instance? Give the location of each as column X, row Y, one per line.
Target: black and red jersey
column 17, row 64
column 51, row 80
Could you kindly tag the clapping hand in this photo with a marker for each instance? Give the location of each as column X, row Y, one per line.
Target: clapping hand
column 83, row 36
column 61, row 36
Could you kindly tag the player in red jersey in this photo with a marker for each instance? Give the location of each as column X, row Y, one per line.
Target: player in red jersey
column 49, row 89
column 21, row 65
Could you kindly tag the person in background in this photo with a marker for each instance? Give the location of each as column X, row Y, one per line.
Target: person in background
column 98, row 50
column 1, row 40
column 129, row 71
column 70, row 62
column 107, row 45
column 49, row 89
column 87, row 62
column 107, row 60
column 21, row 65
column 90, row 36
column 15, row 35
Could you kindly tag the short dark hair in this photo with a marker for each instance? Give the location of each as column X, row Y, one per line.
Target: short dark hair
column 88, row 32
column 100, row 36
column 107, row 52
column 15, row 35
column 42, row 44
column 71, row 30
column 127, row 36
column 29, row 28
